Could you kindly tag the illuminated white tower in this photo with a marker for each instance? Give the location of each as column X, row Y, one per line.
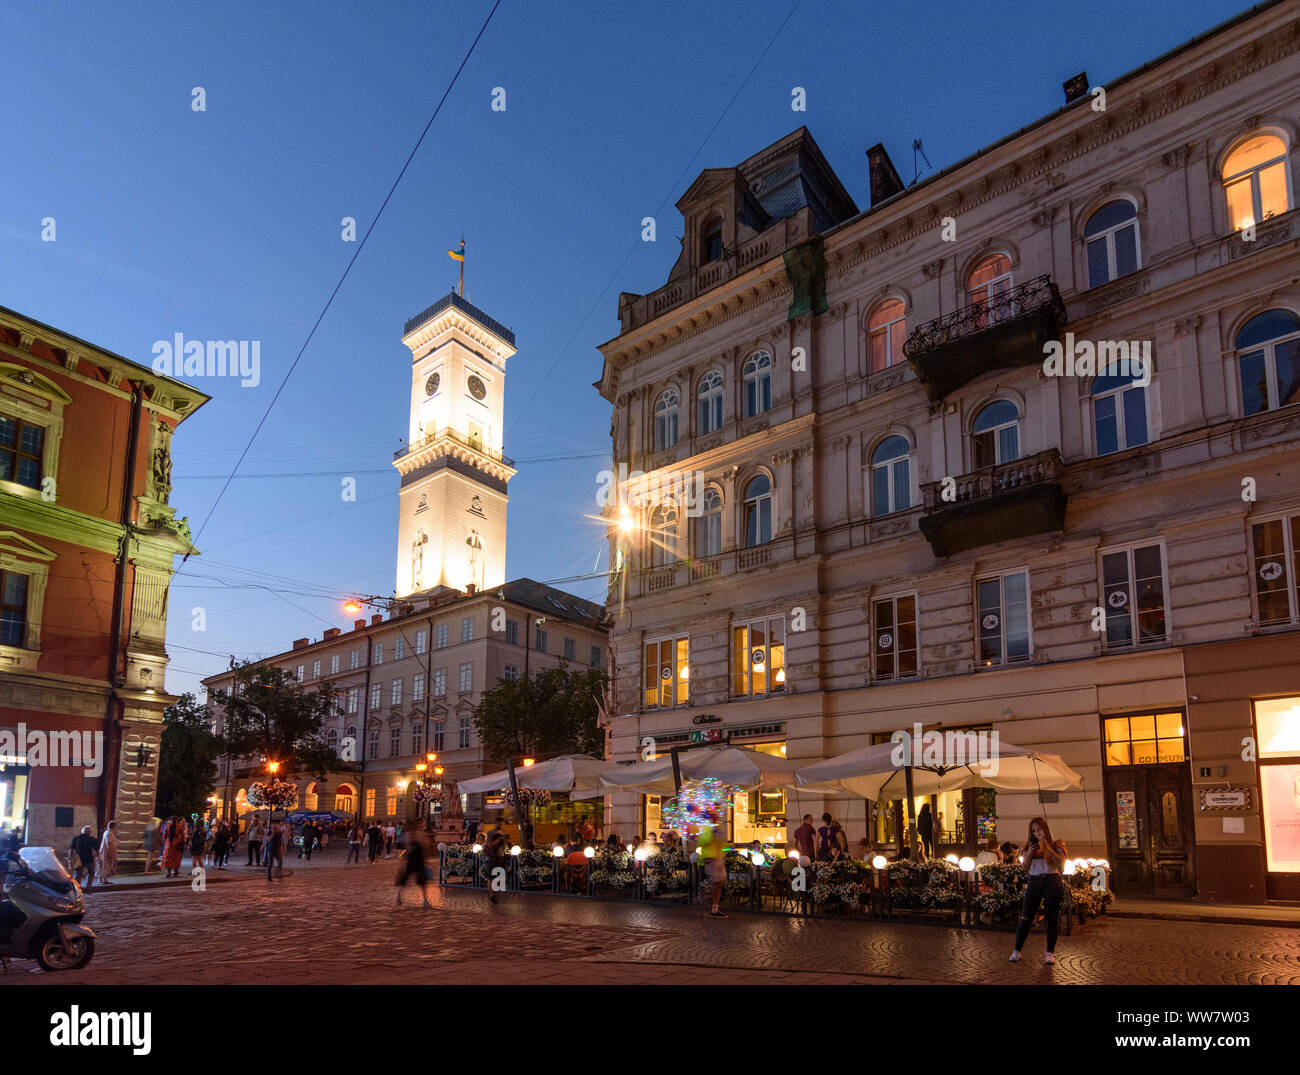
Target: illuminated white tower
column 452, row 530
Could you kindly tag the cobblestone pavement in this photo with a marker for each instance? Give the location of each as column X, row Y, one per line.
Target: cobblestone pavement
column 341, row 925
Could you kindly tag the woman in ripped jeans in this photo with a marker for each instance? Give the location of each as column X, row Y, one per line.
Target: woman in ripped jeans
column 1044, row 858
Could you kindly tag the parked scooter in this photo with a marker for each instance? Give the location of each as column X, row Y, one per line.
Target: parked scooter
column 41, row 911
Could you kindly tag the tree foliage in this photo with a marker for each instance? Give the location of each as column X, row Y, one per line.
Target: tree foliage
column 554, row 712
column 271, row 715
column 187, row 759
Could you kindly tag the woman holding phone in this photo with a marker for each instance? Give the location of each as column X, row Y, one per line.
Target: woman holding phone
column 1044, row 859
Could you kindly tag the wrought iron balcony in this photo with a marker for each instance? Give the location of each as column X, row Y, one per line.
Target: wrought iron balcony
column 995, row 504
column 1004, row 333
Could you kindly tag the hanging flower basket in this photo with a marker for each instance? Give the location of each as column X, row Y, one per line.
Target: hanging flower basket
column 527, row 797
column 427, row 793
column 275, row 794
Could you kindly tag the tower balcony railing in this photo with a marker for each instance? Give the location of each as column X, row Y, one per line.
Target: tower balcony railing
column 1005, row 332
column 455, row 438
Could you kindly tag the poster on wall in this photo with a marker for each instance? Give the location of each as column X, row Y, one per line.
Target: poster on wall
column 1126, row 820
column 1280, row 790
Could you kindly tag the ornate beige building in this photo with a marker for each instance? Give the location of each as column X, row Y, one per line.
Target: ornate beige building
column 890, row 508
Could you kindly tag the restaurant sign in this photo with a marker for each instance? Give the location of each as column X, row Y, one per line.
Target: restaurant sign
column 1225, row 798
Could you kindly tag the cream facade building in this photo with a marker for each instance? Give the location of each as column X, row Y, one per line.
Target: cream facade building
column 888, row 511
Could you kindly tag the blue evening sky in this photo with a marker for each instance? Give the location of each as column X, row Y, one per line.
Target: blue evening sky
column 225, row 224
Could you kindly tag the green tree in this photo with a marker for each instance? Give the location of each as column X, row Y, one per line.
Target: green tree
column 554, row 712
column 187, row 768
column 271, row 715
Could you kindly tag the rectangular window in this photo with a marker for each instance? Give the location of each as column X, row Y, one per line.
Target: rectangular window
column 667, row 679
column 379, row 653
column 394, row 743
column 466, row 677
column 354, row 659
column 1276, row 569
column 1146, row 739
column 417, row 737
column 315, row 669
column 22, row 451
column 374, row 743
column 570, row 649
column 894, row 620
column 392, row 802
column 512, row 633
column 421, row 641
column 440, row 683
column 1133, row 595
column 462, row 739
column 375, row 693
column 399, row 648
column 417, row 687
column 370, row 802
column 442, row 636
column 540, row 640
column 354, row 698
column 758, row 657
column 467, row 630
column 438, row 735
column 1277, row 722
column 13, row 608
column 395, row 692
column 334, row 664
column 1002, row 619
column 511, row 673
column 298, row 674
column 595, row 656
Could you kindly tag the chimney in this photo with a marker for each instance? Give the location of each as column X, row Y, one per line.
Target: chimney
column 376, row 619
column 1075, row 87
column 883, row 175
column 333, row 632
column 300, row 643
column 358, row 625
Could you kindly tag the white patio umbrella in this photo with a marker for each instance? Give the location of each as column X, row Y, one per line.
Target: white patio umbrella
column 872, row 772
column 738, row 767
column 578, row 774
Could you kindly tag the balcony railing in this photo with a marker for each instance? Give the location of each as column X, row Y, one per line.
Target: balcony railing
column 756, row 557
column 995, row 504
column 1004, row 332
column 455, row 438
column 705, row 569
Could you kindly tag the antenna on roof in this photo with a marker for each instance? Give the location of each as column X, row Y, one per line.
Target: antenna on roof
column 918, row 148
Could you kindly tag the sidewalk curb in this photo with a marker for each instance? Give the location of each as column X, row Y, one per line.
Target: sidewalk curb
column 1217, row 919
column 177, row 882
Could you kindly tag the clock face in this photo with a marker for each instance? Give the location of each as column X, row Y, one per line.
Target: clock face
column 431, row 385
column 477, row 388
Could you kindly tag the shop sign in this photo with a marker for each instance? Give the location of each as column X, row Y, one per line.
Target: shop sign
column 1225, row 798
column 711, row 735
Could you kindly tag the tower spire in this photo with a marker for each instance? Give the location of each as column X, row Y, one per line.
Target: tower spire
column 460, row 256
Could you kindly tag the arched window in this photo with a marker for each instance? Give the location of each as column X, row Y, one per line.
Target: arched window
column 758, row 511
column 352, row 731
column 708, row 526
column 886, row 329
column 1111, row 239
column 710, row 400
column 996, row 434
column 1268, row 351
column 310, row 800
column 987, row 287
column 1255, row 180
column 666, row 419
column 345, row 800
column 1119, row 410
column 332, row 739
column 758, row 383
column 663, row 535
column 891, row 476
column 711, row 245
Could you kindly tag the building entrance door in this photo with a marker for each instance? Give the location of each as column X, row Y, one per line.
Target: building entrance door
column 1149, row 830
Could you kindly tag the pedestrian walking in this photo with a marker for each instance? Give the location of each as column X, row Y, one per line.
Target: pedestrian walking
column 221, row 846
column 152, row 844
column 494, row 850
column 354, row 845
column 275, row 852
column 174, row 835
column 255, row 836
column 308, row 839
column 108, row 854
column 805, row 837
column 712, row 854
column 1044, row 858
column 413, row 868
column 832, row 843
column 374, row 841
column 82, row 854
column 198, row 844
column 389, row 833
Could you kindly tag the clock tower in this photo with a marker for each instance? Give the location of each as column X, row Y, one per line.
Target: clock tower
column 452, row 530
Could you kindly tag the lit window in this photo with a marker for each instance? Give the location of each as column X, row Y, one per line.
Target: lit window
column 1111, row 240
column 1133, row 595
column 887, row 330
column 988, row 286
column 1148, row 739
column 709, row 397
column 996, row 436
column 1255, row 181
column 891, row 476
column 1268, row 356
column 758, row 657
column 1002, row 619
column 758, row 511
column 1277, row 723
column 666, row 672
column 895, row 636
column 757, row 379
column 1119, row 411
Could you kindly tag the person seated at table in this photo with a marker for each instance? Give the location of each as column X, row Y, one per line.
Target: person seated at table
column 990, row 854
column 671, row 842
column 1010, row 853
column 864, row 849
column 613, row 843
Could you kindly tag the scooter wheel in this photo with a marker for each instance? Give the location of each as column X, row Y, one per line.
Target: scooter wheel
column 52, row 954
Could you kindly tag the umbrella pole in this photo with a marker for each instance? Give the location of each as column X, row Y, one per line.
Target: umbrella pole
column 514, row 790
column 677, row 772
column 907, row 814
